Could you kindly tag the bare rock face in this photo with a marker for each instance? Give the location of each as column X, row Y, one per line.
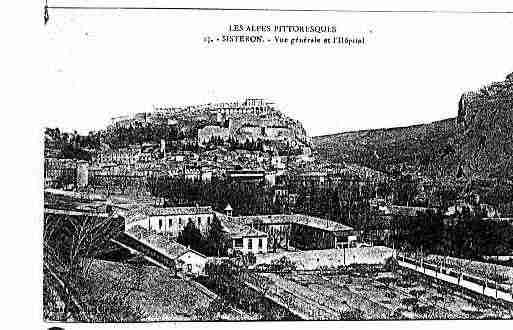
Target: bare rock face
column 492, row 99
column 487, row 118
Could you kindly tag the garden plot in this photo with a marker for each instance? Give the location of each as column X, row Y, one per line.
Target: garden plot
column 401, row 295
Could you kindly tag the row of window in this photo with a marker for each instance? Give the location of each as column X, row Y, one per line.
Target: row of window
column 198, row 223
column 239, row 243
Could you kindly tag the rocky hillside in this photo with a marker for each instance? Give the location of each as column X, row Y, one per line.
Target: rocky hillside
column 477, row 143
column 249, row 120
column 486, row 141
column 413, row 148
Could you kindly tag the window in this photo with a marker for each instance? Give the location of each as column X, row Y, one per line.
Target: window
column 160, row 223
column 238, row 243
column 179, row 221
column 250, row 244
column 260, row 243
column 170, row 222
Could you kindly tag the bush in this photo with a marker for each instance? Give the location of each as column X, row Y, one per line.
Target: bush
column 354, row 315
column 284, row 264
column 417, row 292
column 391, row 265
column 421, row 309
column 387, row 280
column 409, row 302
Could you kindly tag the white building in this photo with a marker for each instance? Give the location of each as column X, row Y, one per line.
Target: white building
column 243, row 237
column 170, row 219
column 185, row 260
column 248, row 239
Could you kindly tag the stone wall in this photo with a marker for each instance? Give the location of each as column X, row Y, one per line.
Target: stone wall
column 315, row 259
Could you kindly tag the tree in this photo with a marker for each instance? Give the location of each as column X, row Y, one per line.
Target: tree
column 217, row 238
column 138, row 272
column 421, row 309
column 406, row 189
column 284, row 264
column 352, row 315
column 409, row 302
column 417, row 293
column 69, row 244
column 191, row 236
column 388, row 280
column 214, row 311
column 391, row 265
column 244, row 260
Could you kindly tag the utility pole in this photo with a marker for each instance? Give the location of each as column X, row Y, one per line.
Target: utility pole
column 422, row 259
column 496, row 282
column 344, row 254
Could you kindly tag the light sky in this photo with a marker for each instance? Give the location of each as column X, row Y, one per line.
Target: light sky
column 412, row 69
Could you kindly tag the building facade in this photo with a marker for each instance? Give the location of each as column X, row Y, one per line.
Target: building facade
column 59, row 173
column 171, row 219
column 301, row 231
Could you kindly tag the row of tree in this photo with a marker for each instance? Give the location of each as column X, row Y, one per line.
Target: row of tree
column 469, row 237
column 216, row 242
column 120, row 136
column 245, row 198
column 70, row 145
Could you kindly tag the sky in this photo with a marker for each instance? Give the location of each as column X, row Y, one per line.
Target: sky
column 412, row 69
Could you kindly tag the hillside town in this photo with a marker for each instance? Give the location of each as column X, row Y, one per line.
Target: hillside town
column 230, row 211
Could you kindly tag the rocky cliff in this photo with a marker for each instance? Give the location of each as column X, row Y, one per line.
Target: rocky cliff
column 477, row 143
column 486, row 138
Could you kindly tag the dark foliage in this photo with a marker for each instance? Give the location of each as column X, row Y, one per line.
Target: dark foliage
column 471, row 237
column 69, row 245
column 69, row 146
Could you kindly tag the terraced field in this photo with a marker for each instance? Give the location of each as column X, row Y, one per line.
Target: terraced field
column 327, row 297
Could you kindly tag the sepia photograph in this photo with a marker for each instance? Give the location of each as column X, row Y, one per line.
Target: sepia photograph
column 256, row 164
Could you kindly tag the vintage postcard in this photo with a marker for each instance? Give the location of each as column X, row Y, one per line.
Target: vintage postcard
column 276, row 163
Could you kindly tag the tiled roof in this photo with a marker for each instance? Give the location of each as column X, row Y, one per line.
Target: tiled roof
column 134, row 214
column 238, row 228
column 139, row 212
column 301, row 219
column 408, row 210
column 160, row 242
column 245, row 231
column 319, row 223
column 155, row 211
column 268, row 219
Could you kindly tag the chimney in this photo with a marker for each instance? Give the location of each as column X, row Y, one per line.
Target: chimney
column 163, row 147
